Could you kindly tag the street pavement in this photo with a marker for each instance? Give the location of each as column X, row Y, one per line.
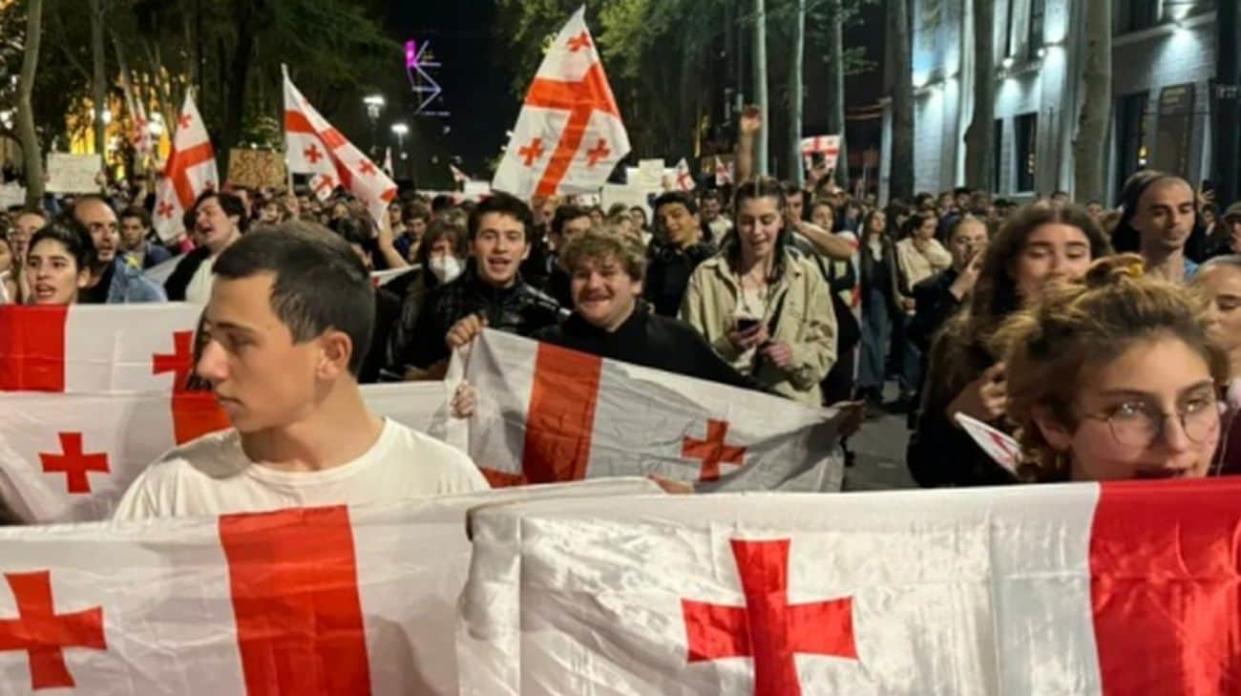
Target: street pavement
column 880, row 450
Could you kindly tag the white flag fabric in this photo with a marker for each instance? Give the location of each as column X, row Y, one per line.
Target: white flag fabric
column 313, row 146
column 826, row 145
column 547, row 414
column 189, row 171
column 331, row 600
column 96, row 348
column 684, row 177
column 1119, row 588
column 569, row 134
column 70, row 457
column 723, row 173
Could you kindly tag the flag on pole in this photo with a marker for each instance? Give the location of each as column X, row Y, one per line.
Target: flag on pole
column 1114, row 588
column 685, row 178
column 547, row 414
column 313, row 146
column 458, row 176
column 723, row 173
column 190, row 170
column 330, row 600
column 826, row 145
column 70, row 457
column 569, row 134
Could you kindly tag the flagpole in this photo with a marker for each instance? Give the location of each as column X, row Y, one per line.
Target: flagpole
column 288, row 171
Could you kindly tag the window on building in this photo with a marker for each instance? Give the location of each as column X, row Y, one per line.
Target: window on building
column 1009, row 17
column 997, row 156
column 1136, row 15
column 1025, row 147
column 1131, row 152
column 1034, row 30
column 1174, row 129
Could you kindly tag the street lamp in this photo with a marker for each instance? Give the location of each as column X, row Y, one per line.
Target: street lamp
column 400, row 130
column 374, row 106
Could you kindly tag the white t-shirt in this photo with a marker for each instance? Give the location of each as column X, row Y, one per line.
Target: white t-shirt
column 199, row 289
column 213, row 476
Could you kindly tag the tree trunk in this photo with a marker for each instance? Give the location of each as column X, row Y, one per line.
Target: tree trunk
column 32, row 153
column 131, row 101
column 980, row 136
column 836, row 88
column 796, row 95
column 901, row 177
column 1090, row 149
column 99, row 84
column 760, row 85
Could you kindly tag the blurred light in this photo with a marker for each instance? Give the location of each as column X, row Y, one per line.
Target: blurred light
column 1008, row 63
column 106, row 116
column 374, row 100
column 411, row 54
column 921, row 80
column 400, row 129
column 1042, row 52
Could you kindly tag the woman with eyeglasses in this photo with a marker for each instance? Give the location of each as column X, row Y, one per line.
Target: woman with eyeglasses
column 1114, row 377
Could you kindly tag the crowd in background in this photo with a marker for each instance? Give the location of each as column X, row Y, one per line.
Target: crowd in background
column 1012, row 314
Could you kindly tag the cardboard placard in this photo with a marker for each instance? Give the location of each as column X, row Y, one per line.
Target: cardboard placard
column 69, row 173
column 256, row 169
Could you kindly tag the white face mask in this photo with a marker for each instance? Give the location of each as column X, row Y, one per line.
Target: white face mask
column 446, row 268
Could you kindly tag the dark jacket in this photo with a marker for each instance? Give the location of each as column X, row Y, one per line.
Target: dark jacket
column 667, row 273
column 518, row 309
column 387, row 310
column 940, row 453
column 180, row 279
column 935, row 304
column 402, row 337
column 649, row 340
column 883, row 271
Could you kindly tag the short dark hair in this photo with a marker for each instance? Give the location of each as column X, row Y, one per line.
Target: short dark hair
column 229, row 202
column 567, row 212
column 133, row 211
column 442, row 202
column 676, row 197
column 503, row 204
column 962, row 191
column 320, row 282
column 415, row 211
column 72, row 236
column 353, row 230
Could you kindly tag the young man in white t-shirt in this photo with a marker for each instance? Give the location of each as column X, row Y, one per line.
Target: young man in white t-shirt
column 284, row 334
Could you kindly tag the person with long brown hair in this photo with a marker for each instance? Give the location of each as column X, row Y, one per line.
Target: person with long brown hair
column 764, row 309
column 1038, row 246
column 1114, row 377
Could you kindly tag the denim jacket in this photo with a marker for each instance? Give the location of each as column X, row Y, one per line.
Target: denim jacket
column 129, row 285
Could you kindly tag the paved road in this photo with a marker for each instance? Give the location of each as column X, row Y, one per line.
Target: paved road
column 880, row 448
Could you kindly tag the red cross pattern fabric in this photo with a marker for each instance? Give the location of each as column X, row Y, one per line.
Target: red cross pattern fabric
column 321, row 601
column 189, row 171
column 547, row 414
column 723, row 172
column 684, row 177
column 70, row 457
column 826, row 145
column 1108, row 589
column 569, row 134
column 95, row 348
column 313, row 146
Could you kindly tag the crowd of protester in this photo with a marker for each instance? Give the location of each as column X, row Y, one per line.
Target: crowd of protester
column 1108, row 342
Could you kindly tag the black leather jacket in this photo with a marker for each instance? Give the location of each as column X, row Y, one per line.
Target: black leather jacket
column 519, row 309
column 667, row 273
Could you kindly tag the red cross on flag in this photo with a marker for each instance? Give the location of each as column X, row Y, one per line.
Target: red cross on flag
column 189, row 171
column 547, row 414
column 826, row 145
column 70, row 457
column 569, row 134
column 723, row 172
column 314, row 147
column 355, row 601
column 684, row 177
column 1114, row 588
column 94, row 348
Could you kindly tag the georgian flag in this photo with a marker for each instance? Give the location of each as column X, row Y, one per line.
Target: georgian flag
column 547, row 414
column 569, row 134
column 96, row 348
column 684, row 177
column 313, row 146
column 330, row 600
column 1118, row 588
column 189, row 171
column 70, row 457
column 723, row 173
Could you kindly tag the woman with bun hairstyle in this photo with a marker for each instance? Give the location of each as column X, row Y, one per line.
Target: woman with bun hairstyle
column 1114, row 377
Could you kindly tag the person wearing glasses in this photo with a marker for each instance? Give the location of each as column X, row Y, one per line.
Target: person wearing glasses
column 1114, row 377
column 114, row 279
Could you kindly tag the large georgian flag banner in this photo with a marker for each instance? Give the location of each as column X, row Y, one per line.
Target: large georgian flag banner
column 547, row 414
column 335, row 600
column 1120, row 588
column 569, row 134
column 96, row 348
column 70, row 457
column 189, row 171
column 313, row 146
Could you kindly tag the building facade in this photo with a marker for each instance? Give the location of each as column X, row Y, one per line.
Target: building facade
column 1163, row 71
